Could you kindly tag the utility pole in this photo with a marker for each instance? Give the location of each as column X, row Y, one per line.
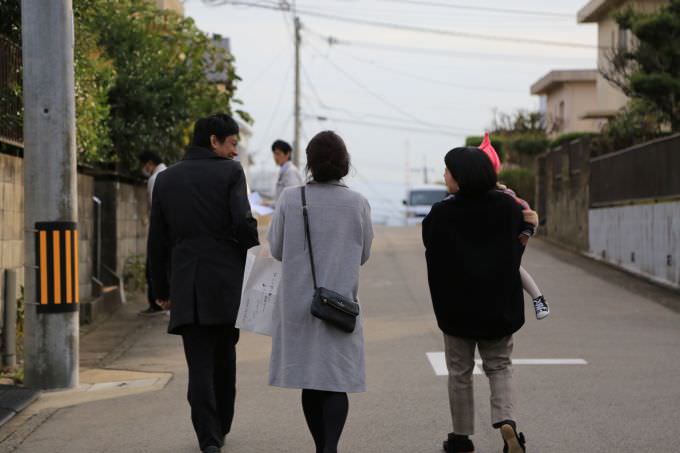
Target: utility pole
column 51, row 236
column 296, row 139
column 425, row 179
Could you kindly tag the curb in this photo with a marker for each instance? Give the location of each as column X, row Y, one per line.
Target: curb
column 13, row 400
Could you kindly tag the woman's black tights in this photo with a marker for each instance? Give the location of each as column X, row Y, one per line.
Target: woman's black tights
column 325, row 413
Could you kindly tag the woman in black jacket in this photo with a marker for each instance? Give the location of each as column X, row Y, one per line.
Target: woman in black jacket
column 473, row 257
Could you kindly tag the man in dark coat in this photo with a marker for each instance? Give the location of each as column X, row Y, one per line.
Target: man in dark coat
column 201, row 228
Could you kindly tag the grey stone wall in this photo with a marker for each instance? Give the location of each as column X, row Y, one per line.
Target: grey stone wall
column 124, row 217
column 563, row 194
column 12, row 214
column 85, row 235
column 133, row 223
column 125, row 222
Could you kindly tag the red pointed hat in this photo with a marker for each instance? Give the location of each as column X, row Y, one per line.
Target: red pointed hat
column 489, row 150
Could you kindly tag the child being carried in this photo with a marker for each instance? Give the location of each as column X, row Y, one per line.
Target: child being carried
column 530, row 225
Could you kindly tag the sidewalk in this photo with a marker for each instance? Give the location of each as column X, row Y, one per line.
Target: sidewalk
column 23, row 410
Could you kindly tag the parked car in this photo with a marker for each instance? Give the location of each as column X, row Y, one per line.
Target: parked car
column 419, row 201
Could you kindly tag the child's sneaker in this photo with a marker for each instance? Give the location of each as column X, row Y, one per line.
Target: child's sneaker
column 541, row 307
column 512, row 442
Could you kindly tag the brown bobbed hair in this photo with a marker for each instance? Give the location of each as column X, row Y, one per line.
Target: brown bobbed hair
column 327, row 157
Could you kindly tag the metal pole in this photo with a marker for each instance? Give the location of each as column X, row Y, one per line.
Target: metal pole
column 51, row 339
column 98, row 236
column 9, row 331
column 296, row 140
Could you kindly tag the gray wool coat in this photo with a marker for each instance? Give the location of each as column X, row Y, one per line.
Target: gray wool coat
column 307, row 353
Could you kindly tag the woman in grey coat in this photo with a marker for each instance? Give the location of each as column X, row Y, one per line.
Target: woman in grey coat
column 307, row 353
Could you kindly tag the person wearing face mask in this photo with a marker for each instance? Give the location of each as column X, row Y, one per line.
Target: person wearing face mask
column 289, row 176
column 152, row 165
column 201, row 228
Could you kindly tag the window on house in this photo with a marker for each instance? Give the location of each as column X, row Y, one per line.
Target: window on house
column 624, row 38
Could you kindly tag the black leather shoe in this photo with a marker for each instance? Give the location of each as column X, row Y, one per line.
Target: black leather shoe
column 458, row 444
column 151, row 311
column 212, row 449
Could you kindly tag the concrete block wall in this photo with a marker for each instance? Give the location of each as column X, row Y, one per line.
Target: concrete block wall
column 12, row 214
column 642, row 238
column 563, row 194
column 125, row 222
column 132, row 216
column 86, row 240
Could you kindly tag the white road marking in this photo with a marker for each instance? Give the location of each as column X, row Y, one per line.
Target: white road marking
column 547, row 362
column 438, row 362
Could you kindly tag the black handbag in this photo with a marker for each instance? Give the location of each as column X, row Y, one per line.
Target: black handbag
column 336, row 309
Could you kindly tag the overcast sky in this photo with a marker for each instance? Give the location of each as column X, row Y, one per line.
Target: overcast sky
column 430, row 89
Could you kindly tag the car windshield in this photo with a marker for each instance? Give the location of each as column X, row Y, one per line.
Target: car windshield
column 426, row 197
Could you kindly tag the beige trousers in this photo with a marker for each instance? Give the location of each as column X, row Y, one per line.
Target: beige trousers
column 497, row 365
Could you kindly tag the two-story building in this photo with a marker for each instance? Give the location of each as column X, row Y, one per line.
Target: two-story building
column 568, row 96
column 609, row 38
column 582, row 100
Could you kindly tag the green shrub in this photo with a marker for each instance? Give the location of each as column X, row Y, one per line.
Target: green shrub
column 521, row 180
column 528, row 144
column 134, row 273
column 570, row 137
column 142, row 77
column 636, row 123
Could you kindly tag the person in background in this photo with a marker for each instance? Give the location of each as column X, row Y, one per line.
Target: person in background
column 289, row 175
column 152, row 165
column 473, row 255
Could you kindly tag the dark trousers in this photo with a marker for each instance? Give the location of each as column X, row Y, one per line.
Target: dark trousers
column 211, row 356
column 150, row 296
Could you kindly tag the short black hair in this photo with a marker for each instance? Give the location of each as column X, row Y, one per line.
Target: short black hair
column 284, row 147
column 150, row 156
column 327, row 157
column 220, row 125
column 472, row 170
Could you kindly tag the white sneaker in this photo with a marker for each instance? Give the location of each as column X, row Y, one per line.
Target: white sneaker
column 541, row 307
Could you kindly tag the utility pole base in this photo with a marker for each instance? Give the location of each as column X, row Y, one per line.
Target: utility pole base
column 51, row 364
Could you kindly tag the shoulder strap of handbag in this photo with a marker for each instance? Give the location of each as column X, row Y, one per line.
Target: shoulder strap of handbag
column 307, row 235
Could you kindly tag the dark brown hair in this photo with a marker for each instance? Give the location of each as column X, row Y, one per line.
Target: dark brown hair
column 327, row 157
column 472, row 169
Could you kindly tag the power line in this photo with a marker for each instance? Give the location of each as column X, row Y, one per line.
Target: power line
column 450, row 53
column 397, row 127
column 278, row 104
column 325, row 106
column 522, row 12
column 377, row 96
column 431, row 80
column 410, row 28
column 444, row 32
column 393, row 119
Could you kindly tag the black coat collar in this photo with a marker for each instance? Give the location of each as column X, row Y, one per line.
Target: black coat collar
column 198, row 152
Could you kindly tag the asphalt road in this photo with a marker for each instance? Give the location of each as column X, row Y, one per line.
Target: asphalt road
column 625, row 399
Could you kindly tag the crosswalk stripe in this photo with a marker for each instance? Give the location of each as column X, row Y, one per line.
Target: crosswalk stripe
column 438, row 362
